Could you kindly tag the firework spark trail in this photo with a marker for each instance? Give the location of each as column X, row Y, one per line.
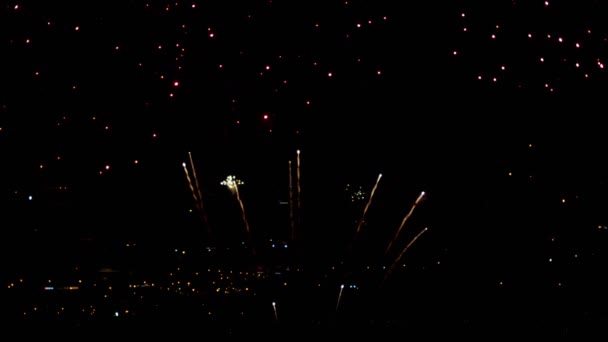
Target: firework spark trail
column 201, row 208
column 299, row 188
column 198, row 188
column 293, row 229
column 390, row 244
column 339, row 296
column 274, row 308
column 390, row 270
column 238, row 198
column 369, row 201
column 196, row 201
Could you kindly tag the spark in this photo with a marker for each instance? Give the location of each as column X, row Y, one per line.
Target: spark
column 403, row 222
column 390, row 270
column 369, row 201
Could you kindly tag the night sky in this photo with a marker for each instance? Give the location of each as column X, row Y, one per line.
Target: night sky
column 495, row 111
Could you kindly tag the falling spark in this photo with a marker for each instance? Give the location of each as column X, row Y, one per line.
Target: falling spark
column 238, row 198
column 369, row 201
column 293, row 229
column 274, row 308
column 339, row 296
column 299, row 188
column 403, row 223
column 390, row 270
column 198, row 188
column 200, row 196
column 419, row 198
column 196, row 202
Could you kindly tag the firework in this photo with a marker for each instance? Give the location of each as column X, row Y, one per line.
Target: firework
column 291, row 222
column 233, row 184
column 339, row 296
column 274, row 308
column 194, row 196
column 369, row 201
column 299, row 188
column 201, row 208
column 390, row 244
column 390, row 270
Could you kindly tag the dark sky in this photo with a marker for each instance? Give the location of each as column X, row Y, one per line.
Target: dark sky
column 495, row 111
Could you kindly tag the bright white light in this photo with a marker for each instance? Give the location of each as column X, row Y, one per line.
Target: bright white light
column 231, row 182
